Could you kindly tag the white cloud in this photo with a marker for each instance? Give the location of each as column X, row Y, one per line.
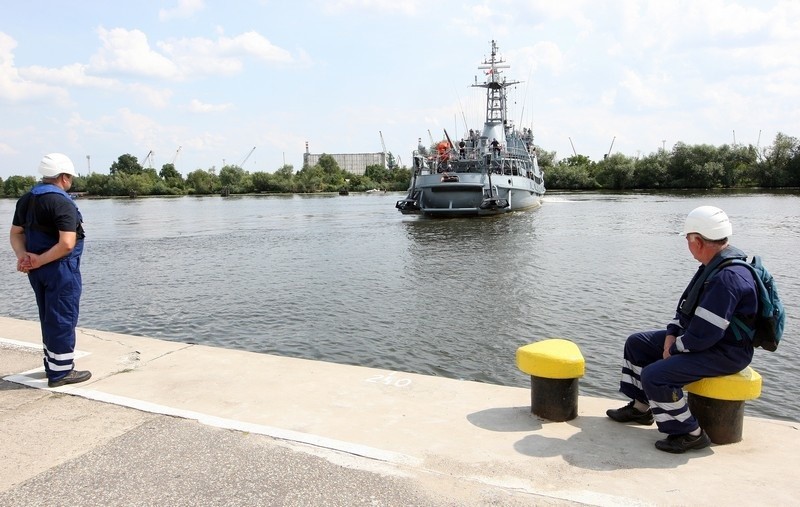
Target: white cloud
column 69, row 75
column 184, row 9
column 539, row 57
column 16, row 88
column 142, row 130
column 196, row 106
column 127, row 52
column 646, row 91
column 152, row 96
column 198, row 56
column 75, row 76
column 256, row 45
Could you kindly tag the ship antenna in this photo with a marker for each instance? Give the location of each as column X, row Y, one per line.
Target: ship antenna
column 461, row 108
column 525, row 98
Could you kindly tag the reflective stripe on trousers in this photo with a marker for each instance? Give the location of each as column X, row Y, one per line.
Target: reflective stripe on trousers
column 57, row 287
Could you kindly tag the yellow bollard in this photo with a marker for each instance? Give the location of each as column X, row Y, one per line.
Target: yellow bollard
column 555, row 365
column 718, row 403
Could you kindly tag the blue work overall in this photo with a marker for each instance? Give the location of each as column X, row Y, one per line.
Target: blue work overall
column 57, row 286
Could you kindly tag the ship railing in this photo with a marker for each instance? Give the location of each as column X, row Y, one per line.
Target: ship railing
column 518, row 152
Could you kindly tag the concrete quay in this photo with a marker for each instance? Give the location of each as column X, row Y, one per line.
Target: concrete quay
column 165, row 423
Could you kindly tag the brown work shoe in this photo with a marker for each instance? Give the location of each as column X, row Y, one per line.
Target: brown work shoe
column 72, row 377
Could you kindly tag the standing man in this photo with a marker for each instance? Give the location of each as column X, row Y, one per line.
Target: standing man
column 698, row 343
column 47, row 237
column 496, row 147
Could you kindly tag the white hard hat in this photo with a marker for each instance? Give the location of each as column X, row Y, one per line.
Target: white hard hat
column 54, row 164
column 708, row 221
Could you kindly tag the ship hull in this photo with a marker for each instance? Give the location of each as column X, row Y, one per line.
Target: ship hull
column 468, row 194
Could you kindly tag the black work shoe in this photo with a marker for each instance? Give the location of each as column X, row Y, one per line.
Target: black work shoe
column 678, row 444
column 72, row 377
column 629, row 413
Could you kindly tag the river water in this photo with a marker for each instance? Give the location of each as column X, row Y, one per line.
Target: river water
column 348, row 279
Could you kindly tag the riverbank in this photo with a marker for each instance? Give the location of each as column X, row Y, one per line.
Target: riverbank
column 165, row 422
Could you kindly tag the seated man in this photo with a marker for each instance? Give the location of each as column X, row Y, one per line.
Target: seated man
column 698, row 343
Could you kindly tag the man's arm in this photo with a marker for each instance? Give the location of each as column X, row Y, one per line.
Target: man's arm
column 66, row 242
column 17, row 238
column 720, row 299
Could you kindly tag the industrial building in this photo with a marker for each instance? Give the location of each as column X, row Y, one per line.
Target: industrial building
column 354, row 163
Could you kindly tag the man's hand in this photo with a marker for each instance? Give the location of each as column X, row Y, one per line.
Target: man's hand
column 24, row 263
column 669, row 341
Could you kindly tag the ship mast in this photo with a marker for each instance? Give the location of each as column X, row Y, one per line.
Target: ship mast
column 495, row 85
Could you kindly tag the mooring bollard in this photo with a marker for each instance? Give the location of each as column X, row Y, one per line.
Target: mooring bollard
column 555, row 365
column 718, row 403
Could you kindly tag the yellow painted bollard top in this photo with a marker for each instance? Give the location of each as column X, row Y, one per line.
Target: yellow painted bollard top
column 745, row 385
column 554, row 358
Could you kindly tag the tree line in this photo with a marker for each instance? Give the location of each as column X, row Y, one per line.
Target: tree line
column 127, row 177
column 700, row 166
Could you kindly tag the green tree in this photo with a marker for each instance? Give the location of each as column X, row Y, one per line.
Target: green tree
column 172, row 178
column 283, row 179
column 126, row 164
column 168, row 171
column 16, row 186
column 572, row 173
column 400, row 179
column 688, row 169
column 202, row 182
column 328, row 164
column 773, row 169
column 231, row 177
column 546, row 159
column 262, row 181
column 96, row 184
column 565, row 176
column 310, row 179
column 391, row 161
column 377, row 173
column 793, row 169
column 735, row 161
column 145, row 183
column 286, row 170
column 651, row 171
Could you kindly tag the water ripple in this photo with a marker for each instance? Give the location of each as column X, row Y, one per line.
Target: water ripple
column 350, row 280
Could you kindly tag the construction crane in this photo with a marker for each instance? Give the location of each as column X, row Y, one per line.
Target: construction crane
column 609, row 148
column 177, row 152
column 383, row 145
column 148, row 159
column 241, row 164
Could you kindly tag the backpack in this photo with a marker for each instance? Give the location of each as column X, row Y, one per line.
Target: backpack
column 766, row 329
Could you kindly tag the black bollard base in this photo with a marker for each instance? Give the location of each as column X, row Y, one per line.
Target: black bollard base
column 554, row 399
column 723, row 420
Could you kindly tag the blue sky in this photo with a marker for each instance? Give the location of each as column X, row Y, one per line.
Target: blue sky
column 217, row 78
